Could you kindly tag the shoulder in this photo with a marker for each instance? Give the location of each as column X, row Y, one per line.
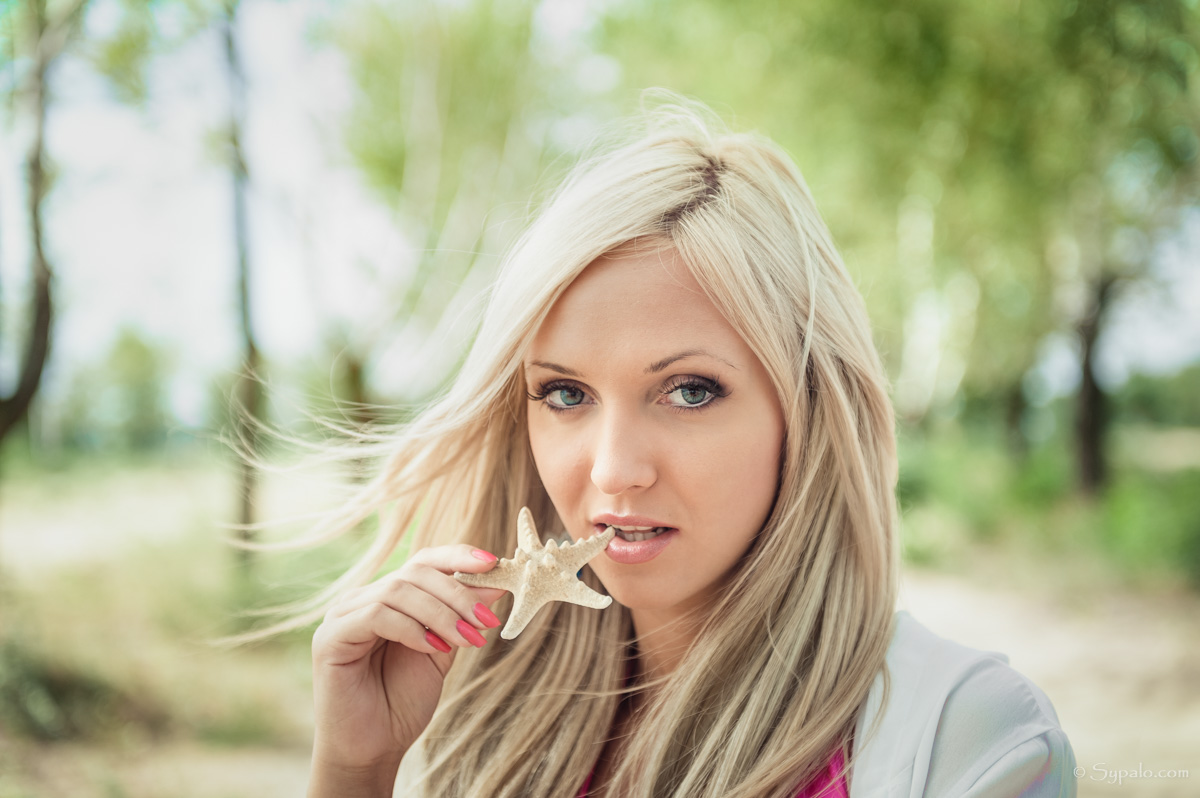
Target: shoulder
column 956, row 721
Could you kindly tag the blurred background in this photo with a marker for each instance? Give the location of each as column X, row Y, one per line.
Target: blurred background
column 319, row 192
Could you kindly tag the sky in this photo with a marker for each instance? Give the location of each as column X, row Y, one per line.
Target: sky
column 140, row 222
column 139, row 227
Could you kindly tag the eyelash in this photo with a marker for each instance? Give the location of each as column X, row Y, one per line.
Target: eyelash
column 710, row 384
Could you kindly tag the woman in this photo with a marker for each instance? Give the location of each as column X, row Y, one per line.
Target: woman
column 675, row 349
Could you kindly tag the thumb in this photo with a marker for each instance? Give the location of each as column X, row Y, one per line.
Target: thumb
column 489, row 595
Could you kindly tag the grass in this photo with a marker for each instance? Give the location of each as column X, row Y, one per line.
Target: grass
column 101, row 654
column 963, row 493
column 116, row 640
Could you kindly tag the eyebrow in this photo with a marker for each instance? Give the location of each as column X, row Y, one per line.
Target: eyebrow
column 555, row 367
column 653, row 368
column 659, row 365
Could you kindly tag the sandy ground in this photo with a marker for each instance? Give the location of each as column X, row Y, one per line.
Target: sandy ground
column 176, row 770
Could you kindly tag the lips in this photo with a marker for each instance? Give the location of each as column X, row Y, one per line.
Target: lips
column 639, row 538
column 635, row 552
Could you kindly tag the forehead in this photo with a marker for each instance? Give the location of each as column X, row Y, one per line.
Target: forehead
column 637, row 274
column 634, row 300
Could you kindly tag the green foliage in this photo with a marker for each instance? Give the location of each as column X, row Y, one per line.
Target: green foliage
column 1151, row 523
column 1172, row 400
column 967, row 476
column 120, row 405
column 8, row 21
column 123, row 630
column 45, row 699
column 439, row 83
column 450, row 127
column 1043, row 479
column 960, row 489
column 123, row 56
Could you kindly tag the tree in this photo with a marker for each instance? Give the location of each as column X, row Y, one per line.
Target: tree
column 119, row 404
column 39, row 37
column 1131, row 63
column 249, row 419
column 124, row 58
column 452, row 127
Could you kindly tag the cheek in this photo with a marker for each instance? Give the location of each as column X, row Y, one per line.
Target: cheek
column 741, row 471
column 540, row 448
column 748, row 449
column 555, row 458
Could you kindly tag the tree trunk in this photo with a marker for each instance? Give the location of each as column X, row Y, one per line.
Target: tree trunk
column 250, row 412
column 362, row 414
column 1091, row 405
column 14, row 406
column 1014, row 413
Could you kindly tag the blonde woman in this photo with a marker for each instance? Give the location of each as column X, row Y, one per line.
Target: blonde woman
column 673, row 348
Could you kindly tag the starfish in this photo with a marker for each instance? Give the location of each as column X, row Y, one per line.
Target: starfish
column 537, row 574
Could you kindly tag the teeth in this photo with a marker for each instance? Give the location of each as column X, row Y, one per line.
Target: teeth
column 638, row 533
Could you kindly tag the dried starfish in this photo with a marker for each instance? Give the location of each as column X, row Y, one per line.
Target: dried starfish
column 537, row 574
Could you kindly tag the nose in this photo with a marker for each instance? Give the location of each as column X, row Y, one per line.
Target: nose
column 623, row 455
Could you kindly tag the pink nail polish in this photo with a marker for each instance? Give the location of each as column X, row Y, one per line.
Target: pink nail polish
column 480, row 554
column 486, row 616
column 469, row 632
column 437, row 642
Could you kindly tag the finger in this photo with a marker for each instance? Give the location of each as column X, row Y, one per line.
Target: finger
column 432, row 612
column 349, row 638
column 411, row 601
column 470, row 603
column 385, row 590
column 447, row 559
column 457, row 557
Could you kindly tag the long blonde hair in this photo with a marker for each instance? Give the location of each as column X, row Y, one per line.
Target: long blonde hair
column 794, row 642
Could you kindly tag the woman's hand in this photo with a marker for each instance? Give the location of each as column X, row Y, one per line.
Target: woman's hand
column 379, row 660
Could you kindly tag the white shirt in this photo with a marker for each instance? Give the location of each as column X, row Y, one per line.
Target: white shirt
column 959, row 723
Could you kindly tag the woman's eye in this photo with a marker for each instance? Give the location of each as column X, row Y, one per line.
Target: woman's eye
column 565, row 397
column 690, row 396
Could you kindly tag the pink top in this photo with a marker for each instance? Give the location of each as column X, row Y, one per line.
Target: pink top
column 827, row 784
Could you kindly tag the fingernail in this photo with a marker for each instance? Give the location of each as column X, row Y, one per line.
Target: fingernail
column 468, row 631
column 437, row 642
column 480, row 554
column 485, row 616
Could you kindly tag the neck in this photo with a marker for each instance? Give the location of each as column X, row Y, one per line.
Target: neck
column 663, row 639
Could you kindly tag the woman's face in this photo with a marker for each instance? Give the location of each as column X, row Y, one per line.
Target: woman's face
column 652, row 412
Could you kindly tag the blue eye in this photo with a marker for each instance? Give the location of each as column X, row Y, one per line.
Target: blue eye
column 559, row 396
column 692, row 395
column 567, row 397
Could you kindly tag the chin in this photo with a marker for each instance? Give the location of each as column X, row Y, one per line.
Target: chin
column 646, row 597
